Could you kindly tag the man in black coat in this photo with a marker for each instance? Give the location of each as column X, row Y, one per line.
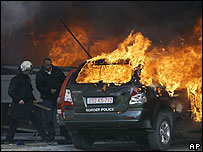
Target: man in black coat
column 22, row 109
column 48, row 82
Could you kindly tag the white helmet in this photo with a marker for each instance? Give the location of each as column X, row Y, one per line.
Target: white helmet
column 26, row 65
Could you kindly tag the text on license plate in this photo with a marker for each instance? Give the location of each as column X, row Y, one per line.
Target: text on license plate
column 103, row 100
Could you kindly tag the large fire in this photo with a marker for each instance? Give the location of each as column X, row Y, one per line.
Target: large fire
column 176, row 66
column 65, row 51
column 132, row 49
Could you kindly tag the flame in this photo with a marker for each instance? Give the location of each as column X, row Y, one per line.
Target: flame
column 194, row 90
column 94, row 74
column 178, row 67
column 133, row 48
column 65, row 51
column 174, row 66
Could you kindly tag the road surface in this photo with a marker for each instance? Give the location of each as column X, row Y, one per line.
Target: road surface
column 178, row 145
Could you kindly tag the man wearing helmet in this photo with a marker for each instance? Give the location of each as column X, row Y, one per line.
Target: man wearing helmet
column 22, row 109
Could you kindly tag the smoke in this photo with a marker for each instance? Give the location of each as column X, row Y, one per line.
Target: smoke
column 193, row 14
column 156, row 20
column 15, row 17
column 15, row 13
column 159, row 21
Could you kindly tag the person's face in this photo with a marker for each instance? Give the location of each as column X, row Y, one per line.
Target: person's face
column 27, row 72
column 47, row 65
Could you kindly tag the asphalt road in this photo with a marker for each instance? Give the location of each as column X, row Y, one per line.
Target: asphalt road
column 178, row 145
column 33, row 142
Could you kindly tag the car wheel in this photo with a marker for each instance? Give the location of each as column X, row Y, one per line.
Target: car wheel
column 161, row 138
column 82, row 140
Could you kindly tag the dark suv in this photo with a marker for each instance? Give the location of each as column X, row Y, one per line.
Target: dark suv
column 90, row 110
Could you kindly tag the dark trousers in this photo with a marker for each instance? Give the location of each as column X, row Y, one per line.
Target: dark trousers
column 49, row 116
column 36, row 121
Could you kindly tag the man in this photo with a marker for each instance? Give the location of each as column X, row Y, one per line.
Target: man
column 48, row 82
column 22, row 109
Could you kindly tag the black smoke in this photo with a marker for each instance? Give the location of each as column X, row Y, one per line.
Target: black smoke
column 159, row 21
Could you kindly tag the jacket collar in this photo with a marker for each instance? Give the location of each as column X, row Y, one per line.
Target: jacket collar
column 44, row 71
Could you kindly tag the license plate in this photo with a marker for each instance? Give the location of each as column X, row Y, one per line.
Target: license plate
column 103, row 100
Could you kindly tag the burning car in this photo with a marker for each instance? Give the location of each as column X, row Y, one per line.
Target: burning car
column 94, row 104
column 109, row 94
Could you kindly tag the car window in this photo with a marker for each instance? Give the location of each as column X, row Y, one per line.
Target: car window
column 95, row 72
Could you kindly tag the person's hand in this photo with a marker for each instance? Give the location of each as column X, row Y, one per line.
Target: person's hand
column 34, row 102
column 53, row 91
column 21, row 101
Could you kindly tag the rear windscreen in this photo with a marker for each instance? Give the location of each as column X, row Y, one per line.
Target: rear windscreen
column 113, row 73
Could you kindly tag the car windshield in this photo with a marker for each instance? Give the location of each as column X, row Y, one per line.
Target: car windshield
column 100, row 71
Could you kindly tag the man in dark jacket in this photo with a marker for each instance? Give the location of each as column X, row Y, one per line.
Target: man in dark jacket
column 48, row 82
column 22, row 109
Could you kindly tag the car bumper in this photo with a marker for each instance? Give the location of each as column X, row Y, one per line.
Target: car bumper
column 129, row 119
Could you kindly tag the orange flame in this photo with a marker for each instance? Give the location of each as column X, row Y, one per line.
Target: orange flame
column 65, row 51
column 93, row 74
column 179, row 67
column 133, row 48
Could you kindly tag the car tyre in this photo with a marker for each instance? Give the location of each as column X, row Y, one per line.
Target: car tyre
column 82, row 140
column 161, row 138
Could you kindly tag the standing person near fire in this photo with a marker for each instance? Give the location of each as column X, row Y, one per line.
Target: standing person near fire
column 48, row 82
column 22, row 109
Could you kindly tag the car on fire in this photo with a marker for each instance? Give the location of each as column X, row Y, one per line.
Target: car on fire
column 99, row 107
